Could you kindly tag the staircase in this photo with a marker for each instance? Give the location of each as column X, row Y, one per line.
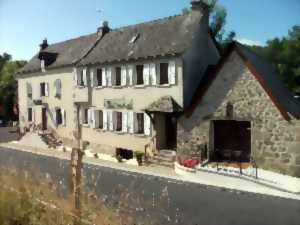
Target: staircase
column 164, row 158
column 50, row 140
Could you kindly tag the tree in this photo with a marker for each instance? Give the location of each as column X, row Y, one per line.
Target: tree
column 8, row 86
column 284, row 54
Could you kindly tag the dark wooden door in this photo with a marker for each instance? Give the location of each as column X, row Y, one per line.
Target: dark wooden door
column 171, row 132
column 44, row 119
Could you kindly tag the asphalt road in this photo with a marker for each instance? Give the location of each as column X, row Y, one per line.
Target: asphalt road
column 8, row 134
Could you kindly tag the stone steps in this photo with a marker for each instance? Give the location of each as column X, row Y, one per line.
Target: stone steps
column 50, row 140
column 164, row 158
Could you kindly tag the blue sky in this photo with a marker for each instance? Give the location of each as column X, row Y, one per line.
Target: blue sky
column 24, row 23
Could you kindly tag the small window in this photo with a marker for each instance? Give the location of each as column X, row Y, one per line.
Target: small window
column 43, row 89
column 139, row 74
column 58, row 116
column 99, row 77
column 140, row 123
column 57, row 85
column 86, row 116
column 118, row 76
column 100, row 117
column 29, row 114
column 164, row 73
column 118, row 121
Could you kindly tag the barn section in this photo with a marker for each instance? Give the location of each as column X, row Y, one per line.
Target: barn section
column 242, row 112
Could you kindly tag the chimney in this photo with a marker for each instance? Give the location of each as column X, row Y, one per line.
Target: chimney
column 201, row 8
column 104, row 29
column 44, row 44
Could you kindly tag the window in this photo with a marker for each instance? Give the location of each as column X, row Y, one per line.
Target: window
column 29, row 90
column 57, row 85
column 164, row 73
column 140, row 123
column 100, row 119
column 118, row 121
column 99, row 77
column 139, row 74
column 86, row 116
column 118, row 77
column 58, row 116
column 44, row 89
column 82, row 78
column 30, row 118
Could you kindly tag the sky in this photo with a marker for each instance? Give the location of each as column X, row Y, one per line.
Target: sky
column 25, row 23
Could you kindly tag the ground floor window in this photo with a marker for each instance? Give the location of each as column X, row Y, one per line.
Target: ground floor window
column 100, row 119
column 140, row 123
column 124, row 153
column 30, row 117
column 58, row 116
column 86, row 116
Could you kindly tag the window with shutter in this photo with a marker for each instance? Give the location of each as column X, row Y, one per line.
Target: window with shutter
column 139, row 75
column 99, row 77
column 118, row 76
column 85, row 116
column 108, row 77
column 163, row 71
column 105, row 120
column 57, row 85
column 124, row 121
column 118, row 121
column 58, row 116
column 147, row 124
column 84, row 77
column 104, row 77
column 29, row 90
column 43, row 89
column 64, row 117
column 46, row 89
column 110, row 120
column 100, row 119
column 140, row 123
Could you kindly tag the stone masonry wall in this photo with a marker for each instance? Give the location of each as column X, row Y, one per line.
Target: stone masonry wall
column 275, row 142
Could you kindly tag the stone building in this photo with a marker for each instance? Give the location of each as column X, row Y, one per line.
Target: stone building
column 242, row 112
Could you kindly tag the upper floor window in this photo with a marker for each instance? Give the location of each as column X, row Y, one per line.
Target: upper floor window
column 44, row 89
column 163, row 71
column 29, row 90
column 60, row 116
column 80, row 77
column 139, row 74
column 139, row 128
column 99, row 77
column 57, row 88
column 118, row 76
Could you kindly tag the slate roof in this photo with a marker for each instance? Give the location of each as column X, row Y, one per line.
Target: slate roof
column 164, row 104
column 168, row 36
column 68, row 53
column 270, row 80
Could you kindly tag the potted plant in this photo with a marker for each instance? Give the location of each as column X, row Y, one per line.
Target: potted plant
column 119, row 158
column 139, row 157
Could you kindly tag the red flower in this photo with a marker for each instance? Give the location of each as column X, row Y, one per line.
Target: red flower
column 190, row 163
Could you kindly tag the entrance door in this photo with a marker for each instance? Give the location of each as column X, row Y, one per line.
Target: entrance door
column 232, row 140
column 171, row 131
column 44, row 119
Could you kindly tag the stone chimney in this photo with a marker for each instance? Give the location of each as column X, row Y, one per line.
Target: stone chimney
column 200, row 8
column 44, row 44
column 104, row 29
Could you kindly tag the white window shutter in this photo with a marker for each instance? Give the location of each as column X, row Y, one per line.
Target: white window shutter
column 93, row 77
column 33, row 114
column 124, row 121
column 135, row 123
column 108, row 77
column 110, row 120
column 81, row 115
column 84, row 76
column 147, row 124
column 146, row 74
column 63, row 116
column 90, row 117
column 130, row 122
column 47, row 89
column 54, row 116
column 130, row 75
column 172, row 72
column 75, row 76
column 153, row 73
column 123, row 76
column 96, row 118
column 93, row 118
column 103, row 77
column 104, row 120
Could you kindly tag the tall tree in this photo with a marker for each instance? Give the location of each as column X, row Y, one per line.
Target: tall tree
column 8, row 86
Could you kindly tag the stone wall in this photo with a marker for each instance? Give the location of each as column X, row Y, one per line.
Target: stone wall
column 275, row 142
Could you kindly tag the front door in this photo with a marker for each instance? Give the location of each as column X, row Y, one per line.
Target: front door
column 171, row 132
column 44, row 119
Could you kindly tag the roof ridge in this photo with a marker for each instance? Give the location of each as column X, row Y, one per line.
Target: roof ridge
column 72, row 39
